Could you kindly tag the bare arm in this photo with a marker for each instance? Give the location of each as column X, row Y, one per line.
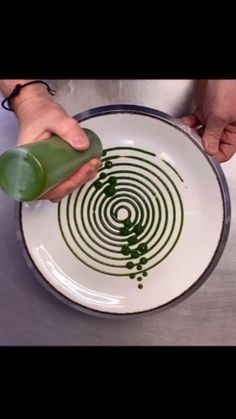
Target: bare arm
column 39, row 117
column 29, row 92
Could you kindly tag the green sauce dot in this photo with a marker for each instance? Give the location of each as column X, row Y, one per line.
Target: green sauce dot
column 140, row 286
column 109, row 190
column 104, row 153
column 132, row 240
column 139, row 278
column 145, row 273
column 97, row 184
column 112, row 180
column 129, row 265
column 108, row 164
column 125, row 250
column 124, row 231
column 139, row 267
column 142, row 247
column 132, row 276
column 127, row 222
column 138, row 229
column 134, row 254
column 143, row 260
column 103, row 175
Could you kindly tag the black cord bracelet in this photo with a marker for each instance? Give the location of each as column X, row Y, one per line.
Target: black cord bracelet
column 16, row 91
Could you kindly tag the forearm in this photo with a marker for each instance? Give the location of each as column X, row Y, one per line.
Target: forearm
column 31, row 91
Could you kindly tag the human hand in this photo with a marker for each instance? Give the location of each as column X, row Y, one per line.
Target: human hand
column 40, row 117
column 215, row 109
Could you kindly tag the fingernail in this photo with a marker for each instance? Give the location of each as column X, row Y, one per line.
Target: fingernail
column 211, row 148
column 55, row 201
column 81, row 142
column 96, row 163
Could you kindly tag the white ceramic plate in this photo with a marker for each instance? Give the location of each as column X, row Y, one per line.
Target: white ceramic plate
column 145, row 242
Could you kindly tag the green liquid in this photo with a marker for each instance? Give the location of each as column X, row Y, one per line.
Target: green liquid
column 129, row 265
column 127, row 223
column 125, row 250
column 129, row 238
column 108, row 164
column 112, row 180
column 103, row 176
column 134, row 254
column 28, row 172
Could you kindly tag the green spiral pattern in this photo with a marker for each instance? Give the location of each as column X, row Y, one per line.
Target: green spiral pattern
column 129, row 219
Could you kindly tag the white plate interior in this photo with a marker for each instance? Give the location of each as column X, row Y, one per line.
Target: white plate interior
column 177, row 175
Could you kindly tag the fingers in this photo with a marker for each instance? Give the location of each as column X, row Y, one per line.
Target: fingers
column 41, row 119
column 215, row 140
column 69, row 130
column 86, row 173
column 190, row 120
column 212, row 134
column 227, row 147
column 48, row 117
column 225, row 153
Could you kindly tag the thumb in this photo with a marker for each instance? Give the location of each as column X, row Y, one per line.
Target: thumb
column 212, row 134
column 70, row 131
column 190, row 120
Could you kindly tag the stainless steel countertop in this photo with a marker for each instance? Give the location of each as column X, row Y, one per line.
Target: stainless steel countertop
column 29, row 315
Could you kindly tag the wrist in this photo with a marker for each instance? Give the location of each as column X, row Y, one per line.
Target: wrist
column 29, row 94
column 36, row 106
column 18, row 92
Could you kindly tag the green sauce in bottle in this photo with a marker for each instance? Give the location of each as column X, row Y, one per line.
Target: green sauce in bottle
column 29, row 171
